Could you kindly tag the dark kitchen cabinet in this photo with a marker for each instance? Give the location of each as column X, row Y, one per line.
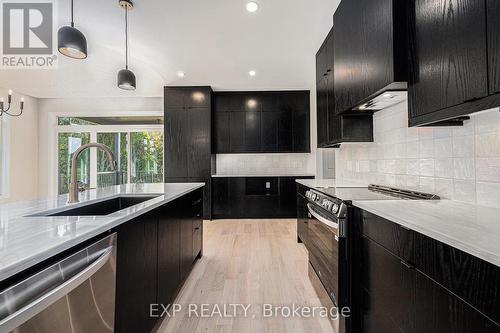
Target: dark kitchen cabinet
column 252, row 131
column 188, row 137
column 334, row 129
column 348, row 54
column 237, row 128
column 448, row 58
column 199, row 151
column 222, row 124
column 255, row 197
column 370, row 52
column 437, row 310
column 155, row 253
column 136, row 276
column 176, row 141
column 412, row 283
column 169, row 240
column 493, row 10
column 388, row 286
column 262, row 122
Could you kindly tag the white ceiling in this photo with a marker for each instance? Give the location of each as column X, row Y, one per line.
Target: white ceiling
column 215, row 42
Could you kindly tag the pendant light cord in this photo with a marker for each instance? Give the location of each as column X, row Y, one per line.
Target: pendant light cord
column 126, row 37
column 72, row 15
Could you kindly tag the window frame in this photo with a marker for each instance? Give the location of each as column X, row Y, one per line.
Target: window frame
column 93, row 130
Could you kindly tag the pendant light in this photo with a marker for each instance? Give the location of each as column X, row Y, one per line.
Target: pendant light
column 71, row 41
column 126, row 78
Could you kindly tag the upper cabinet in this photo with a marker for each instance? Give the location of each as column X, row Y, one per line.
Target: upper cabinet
column 448, row 58
column 493, row 9
column 370, row 54
column 262, row 122
column 334, row 129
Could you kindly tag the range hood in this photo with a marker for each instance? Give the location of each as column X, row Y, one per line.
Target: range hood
column 384, row 100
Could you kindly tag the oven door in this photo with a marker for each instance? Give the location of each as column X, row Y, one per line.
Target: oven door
column 325, row 250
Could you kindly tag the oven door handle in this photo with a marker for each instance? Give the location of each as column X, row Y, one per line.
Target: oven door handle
column 321, row 218
column 41, row 303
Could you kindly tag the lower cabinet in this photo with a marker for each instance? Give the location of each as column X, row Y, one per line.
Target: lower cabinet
column 155, row 253
column 408, row 283
column 254, row 197
column 136, row 276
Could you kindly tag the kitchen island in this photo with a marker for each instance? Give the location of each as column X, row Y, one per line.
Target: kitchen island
column 158, row 230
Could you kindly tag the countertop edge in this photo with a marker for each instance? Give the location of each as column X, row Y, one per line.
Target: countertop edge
column 450, row 241
column 25, row 263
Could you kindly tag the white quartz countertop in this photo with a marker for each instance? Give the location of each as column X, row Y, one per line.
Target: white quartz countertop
column 329, row 183
column 26, row 241
column 470, row 228
column 264, row 175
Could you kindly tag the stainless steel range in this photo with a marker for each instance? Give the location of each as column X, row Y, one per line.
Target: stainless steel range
column 330, row 238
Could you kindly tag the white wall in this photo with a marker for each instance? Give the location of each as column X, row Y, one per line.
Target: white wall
column 50, row 107
column 21, row 142
column 460, row 163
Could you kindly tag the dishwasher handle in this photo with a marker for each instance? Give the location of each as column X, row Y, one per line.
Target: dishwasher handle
column 39, row 304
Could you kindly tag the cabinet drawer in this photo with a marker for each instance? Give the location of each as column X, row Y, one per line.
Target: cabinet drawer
column 390, row 235
column 439, row 311
column 474, row 280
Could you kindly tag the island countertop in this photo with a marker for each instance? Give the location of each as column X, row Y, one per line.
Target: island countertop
column 27, row 240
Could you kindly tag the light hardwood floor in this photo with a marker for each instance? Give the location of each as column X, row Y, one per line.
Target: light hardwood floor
column 252, row 262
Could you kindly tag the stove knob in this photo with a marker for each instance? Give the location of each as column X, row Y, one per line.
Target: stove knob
column 335, row 208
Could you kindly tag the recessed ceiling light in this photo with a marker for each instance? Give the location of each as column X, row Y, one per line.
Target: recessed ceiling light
column 388, row 95
column 252, row 6
column 252, row 73
column 181, row 74
column 362, row 107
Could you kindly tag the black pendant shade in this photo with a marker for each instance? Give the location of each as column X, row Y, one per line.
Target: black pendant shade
column 126, row 80
column 71, row 41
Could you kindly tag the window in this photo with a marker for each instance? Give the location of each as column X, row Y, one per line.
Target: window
column 137, row 144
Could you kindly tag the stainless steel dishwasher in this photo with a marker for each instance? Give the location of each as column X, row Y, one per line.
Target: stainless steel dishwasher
column 74, row 295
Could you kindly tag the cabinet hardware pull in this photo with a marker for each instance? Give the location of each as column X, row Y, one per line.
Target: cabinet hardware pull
column 197, row 228
column 407, row 265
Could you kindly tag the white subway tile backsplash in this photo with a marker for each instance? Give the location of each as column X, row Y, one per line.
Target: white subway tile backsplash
column 459, row 163
column 488, row 169
column 464, row 168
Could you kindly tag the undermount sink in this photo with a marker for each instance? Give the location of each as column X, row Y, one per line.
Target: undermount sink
column 100, row 208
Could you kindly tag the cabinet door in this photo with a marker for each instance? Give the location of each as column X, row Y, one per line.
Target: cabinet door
column 388, row 285
column 222, row 132
column 448, row 63
column 197, row 226
column 493, row 9
column 237, row 124
column 378, row 58
column 301, row 130
column 176, row 143
column 252, row 131
column 440, row 311
column 269, row 135
column 199, row 150
column 321, row 112
column 168, row 251
column 285, row 136
column 186, row 238
column 221, row 198
column 348, row 54
column 321, row 59
column 288, row 199
column 136, row 275
column 332, row 132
